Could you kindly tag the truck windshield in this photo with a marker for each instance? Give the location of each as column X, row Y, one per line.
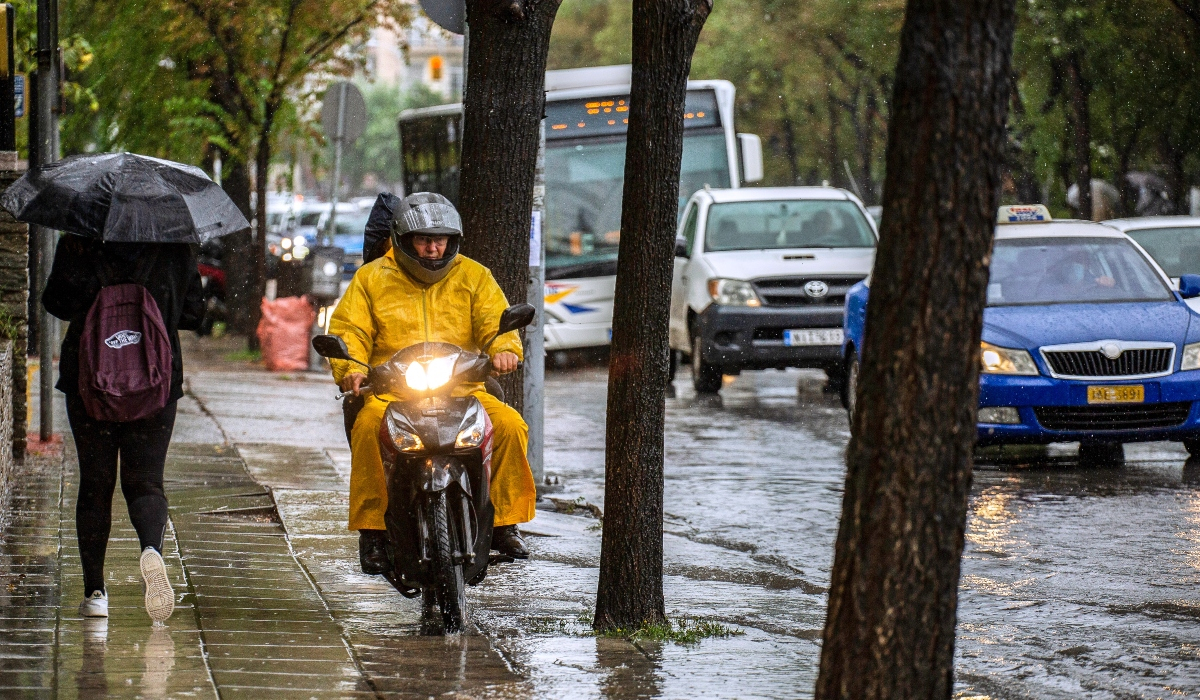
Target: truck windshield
column 1175, row 249
column 795, row 223
column 584, row 181
column 1071, row 271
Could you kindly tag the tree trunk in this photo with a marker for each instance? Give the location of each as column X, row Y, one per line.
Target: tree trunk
column 1082, row 121
column 258, row 247
column 630, row 592
column 503, row 105
column 889, row 632
column 835, row 154
column 235, row 257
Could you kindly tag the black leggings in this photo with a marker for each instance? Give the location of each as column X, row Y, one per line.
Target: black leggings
column 141, row 447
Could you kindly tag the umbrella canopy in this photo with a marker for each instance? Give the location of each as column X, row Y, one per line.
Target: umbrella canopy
column 126, row 198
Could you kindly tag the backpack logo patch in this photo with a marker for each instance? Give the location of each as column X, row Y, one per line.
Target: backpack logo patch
column 120, row 339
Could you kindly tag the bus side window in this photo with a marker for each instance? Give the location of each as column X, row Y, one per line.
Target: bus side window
column 689, row 227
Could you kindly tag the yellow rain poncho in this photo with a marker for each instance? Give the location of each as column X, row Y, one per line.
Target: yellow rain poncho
column 385, row 310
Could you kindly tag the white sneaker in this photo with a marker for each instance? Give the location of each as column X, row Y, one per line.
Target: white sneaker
column 95, row 605
column 160, row 597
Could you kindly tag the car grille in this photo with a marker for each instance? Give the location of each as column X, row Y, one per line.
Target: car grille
column 789, row 291
column 1125, row 417
column 1093, row 363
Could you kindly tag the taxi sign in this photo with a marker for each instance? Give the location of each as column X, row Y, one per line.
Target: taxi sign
column 1023, row 214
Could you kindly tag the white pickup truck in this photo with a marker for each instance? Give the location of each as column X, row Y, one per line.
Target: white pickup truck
column 761, row 276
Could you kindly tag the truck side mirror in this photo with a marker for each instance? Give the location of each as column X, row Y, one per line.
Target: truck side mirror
column 332, row 347
column 752, row 157
column 681, row 248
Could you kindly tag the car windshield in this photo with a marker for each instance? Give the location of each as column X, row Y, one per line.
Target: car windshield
column 1071, row 271
column 351, row 225
column 787, row 224
column 310, row 218
column 1176, row 250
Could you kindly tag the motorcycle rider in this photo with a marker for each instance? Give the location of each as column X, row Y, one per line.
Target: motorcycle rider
column 422, row 290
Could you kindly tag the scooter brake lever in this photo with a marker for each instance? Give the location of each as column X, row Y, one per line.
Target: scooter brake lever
column 344, row 394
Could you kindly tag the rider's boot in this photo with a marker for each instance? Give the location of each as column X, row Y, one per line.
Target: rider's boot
column 372, row 551
column 507, row 540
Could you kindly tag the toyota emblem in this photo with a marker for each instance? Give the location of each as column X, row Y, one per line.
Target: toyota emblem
column 816, row 289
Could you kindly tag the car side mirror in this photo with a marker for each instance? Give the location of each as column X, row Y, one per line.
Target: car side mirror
column 332, row 347
column 1189, row 286
column 681, row 250
column 516, row 316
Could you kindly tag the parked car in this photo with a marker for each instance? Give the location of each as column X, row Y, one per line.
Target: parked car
column 760, row 279
column 1084, row 340
column 1173, row 241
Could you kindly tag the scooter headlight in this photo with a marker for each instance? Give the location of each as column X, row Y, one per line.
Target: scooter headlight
column 430, row 374
column 401, row 435
column 472, row 430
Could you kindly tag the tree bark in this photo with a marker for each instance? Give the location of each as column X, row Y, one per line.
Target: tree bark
column 258, row 246
column 630, row 591
column 1081, row 119
column 235, row 257
column 503, row 105
column 889, row 632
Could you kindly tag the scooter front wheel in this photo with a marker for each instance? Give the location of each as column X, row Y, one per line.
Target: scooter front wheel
column 449, row 591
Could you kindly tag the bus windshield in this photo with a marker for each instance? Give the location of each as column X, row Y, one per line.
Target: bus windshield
column 583, row 198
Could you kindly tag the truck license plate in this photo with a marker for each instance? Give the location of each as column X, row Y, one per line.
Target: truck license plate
column 812, row 336
column 1125, row 393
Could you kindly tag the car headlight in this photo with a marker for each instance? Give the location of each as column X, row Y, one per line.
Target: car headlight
column 473, row 428
column 1191, row 356
column 430, row 374
column 997, row 360
column 732, row 292
column 403, row 438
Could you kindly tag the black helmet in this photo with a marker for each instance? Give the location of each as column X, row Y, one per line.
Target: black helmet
column 428, row 214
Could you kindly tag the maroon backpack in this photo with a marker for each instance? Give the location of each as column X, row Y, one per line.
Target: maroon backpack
column 124, row 355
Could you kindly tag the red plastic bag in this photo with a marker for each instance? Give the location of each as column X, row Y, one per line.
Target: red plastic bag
column 283, row 333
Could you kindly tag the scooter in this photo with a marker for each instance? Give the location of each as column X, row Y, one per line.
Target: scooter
column 437, row 453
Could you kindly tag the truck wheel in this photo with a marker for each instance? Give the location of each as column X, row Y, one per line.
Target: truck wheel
column 705, row 377
column 1101, row 454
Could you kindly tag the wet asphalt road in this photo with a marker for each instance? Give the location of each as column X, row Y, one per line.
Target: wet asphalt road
column 1078, row 581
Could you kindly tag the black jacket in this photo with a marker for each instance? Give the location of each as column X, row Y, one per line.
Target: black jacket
column 75, row 280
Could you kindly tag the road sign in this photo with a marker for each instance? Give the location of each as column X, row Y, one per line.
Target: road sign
column 450, row 15
column 354, row 116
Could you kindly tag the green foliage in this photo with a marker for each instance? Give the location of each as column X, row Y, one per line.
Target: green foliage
column 10, row 326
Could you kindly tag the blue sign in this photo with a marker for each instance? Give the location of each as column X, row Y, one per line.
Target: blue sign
column 18, row 96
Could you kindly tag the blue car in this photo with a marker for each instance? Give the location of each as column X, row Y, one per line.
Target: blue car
column 1084, row 340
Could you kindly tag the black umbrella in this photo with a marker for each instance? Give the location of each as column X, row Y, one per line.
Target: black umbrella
column 126, row 198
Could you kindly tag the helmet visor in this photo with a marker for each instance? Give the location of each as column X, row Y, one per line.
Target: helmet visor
column 433, row 218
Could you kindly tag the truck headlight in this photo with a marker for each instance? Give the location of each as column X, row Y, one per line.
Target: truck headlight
column 732, row 292
column 1191, row 356
column 997, row 360
column 472, row 430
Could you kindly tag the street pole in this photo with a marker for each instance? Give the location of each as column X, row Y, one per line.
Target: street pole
column 47, row 86
column 339, row 137
column 535, row 348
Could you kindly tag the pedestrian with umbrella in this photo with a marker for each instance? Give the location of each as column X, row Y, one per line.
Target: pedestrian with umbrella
column 127, row 283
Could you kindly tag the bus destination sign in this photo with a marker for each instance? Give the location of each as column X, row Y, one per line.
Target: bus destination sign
column 601, row 116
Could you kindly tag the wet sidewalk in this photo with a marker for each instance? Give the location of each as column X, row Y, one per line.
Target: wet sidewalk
column 270, row 603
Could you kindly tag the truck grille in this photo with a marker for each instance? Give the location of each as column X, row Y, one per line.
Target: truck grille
column 1126, row 417
column 1093, row 363
column 789, row 291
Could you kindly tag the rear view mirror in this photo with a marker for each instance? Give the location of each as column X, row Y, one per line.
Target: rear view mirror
column 681, row 250
column 516, row 316
column 332, row 347
column 1189, row 286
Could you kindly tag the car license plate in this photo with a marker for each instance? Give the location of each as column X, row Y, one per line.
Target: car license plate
column 812, row 336
column 1126, row 393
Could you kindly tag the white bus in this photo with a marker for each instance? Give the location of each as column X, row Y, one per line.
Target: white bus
column 586, row 125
